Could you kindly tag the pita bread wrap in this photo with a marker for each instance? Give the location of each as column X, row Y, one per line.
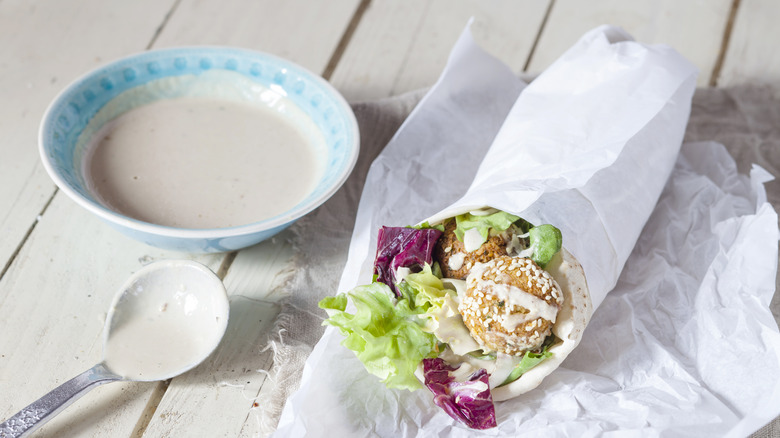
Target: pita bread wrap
column 572, row 318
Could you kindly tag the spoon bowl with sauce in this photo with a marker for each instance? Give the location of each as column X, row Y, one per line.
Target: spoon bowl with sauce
column 166, row 319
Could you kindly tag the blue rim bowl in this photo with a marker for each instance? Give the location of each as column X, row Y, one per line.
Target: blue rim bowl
column 71, row 111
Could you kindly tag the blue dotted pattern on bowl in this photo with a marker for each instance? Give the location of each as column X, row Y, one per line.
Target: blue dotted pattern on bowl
column 74, row 108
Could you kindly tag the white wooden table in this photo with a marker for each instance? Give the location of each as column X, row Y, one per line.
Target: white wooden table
column 60, row 266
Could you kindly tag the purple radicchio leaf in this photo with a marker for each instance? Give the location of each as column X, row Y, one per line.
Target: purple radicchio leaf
column 403, row 247
column 469, row 402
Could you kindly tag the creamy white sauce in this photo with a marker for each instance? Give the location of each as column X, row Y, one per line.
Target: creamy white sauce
column 498, row 369
column 149, row 350
column 156, row 334
column 472, row 240
column 513, row 320
column 447, row 325
column 503, row 366
column 514, row 296
column 401, row 273
column 483, row 211
column 455, row 261
column 459, row 286
column 196, row 162
column 526, row 253
column 514, row 243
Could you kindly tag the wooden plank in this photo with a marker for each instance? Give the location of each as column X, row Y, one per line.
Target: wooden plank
column 53, row 304
column 751, row 57
column 43, row 46
column 401, row 46
column 302, row 31
column 694, row 28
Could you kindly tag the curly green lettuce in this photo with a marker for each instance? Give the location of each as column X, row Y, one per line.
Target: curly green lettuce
column 498, row 221
column 385, row 334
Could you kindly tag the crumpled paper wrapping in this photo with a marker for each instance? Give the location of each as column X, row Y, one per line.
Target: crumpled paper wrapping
column 673, row 346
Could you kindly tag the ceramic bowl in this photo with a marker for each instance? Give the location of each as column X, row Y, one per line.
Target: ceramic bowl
column 76, row 113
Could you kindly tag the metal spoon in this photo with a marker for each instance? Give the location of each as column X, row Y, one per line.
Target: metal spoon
column 182, row 303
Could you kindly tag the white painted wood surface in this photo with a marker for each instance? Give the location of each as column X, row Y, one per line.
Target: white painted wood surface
column 695, row 28
column 403, row 46
column 752, row 55
column 59, row 266
column 302, row 31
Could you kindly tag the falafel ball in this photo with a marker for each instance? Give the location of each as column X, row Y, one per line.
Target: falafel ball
column 455, row 261
column 510, row 305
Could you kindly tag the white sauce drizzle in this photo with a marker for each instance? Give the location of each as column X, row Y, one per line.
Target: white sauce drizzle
column 459, row 286
column 514, row 296
column 514, row 242
column 455, row 261
column 447, row 325
column 498, row 369
column 503, row 366
column 483, row 212
column 472, row 240
column 526, row 253
column 401, row 273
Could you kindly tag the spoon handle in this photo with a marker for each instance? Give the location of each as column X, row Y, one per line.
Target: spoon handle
column 45, row 408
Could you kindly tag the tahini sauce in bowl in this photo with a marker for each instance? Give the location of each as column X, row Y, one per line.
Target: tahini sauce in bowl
column 133, row 143
column 222, row 152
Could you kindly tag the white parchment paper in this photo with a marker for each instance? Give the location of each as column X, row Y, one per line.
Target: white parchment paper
column 671, row 350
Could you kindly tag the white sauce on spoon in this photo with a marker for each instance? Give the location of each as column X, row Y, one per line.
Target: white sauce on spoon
column 166, row 322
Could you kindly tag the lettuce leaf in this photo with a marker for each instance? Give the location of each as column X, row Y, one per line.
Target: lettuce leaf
column 337, row 303
column 428, row 292
column 469, row 401
column 530, row 360
column 499, row 221
column 546, row 241
column 426, row 224
column 386, row 336
column 424, row 288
